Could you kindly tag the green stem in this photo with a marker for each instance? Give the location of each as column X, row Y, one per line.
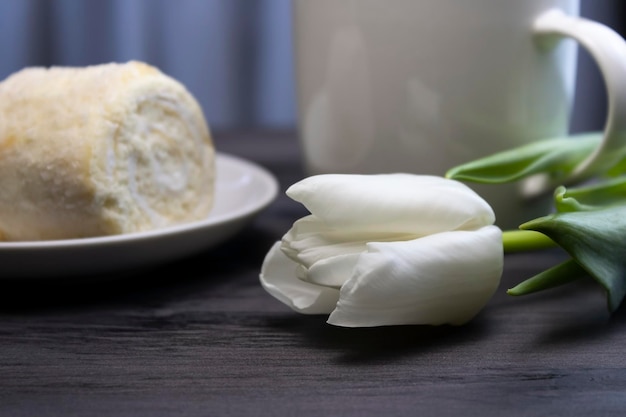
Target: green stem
column 525, row 240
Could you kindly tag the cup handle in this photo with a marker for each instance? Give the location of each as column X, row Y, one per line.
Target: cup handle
column 608, row 49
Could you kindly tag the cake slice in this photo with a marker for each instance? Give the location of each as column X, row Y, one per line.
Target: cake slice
column 100, row 150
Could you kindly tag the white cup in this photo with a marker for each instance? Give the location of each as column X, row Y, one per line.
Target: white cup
column 424, row 85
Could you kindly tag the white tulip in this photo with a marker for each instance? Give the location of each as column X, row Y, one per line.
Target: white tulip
column 387, row 249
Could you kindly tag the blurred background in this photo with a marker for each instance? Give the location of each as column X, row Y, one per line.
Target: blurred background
column 235, row 56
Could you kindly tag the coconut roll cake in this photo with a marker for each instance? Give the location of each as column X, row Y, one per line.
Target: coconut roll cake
column 100, row 150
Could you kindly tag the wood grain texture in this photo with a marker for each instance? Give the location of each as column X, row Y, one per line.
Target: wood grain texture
column 200, row 337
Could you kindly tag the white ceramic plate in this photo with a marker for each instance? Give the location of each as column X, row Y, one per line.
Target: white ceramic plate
column 242, row 190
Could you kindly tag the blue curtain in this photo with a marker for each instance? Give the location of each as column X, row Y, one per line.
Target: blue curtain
column 234, row 55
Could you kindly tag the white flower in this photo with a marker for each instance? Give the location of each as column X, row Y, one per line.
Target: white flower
column 385, row 250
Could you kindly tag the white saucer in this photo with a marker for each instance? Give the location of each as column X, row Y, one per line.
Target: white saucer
column 242, row 190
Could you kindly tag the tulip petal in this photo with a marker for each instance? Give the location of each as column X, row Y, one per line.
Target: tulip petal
column 417, row 205
column 278, row 277
column 310, row 241
column 438, row 279
column 333, row 272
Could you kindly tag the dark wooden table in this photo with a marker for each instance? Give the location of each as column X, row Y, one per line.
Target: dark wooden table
column 200, row 337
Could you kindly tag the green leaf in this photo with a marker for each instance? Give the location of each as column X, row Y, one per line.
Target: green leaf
column 594, row 197
column 561, row 274
column 596, row 240
column 556, row 157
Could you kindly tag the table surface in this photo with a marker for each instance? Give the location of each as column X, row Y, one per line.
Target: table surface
column 200, row 337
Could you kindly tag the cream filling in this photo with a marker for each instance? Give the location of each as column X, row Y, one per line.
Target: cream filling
column 160, row 155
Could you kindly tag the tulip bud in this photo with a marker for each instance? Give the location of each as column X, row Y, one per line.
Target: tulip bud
column 387, row 249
